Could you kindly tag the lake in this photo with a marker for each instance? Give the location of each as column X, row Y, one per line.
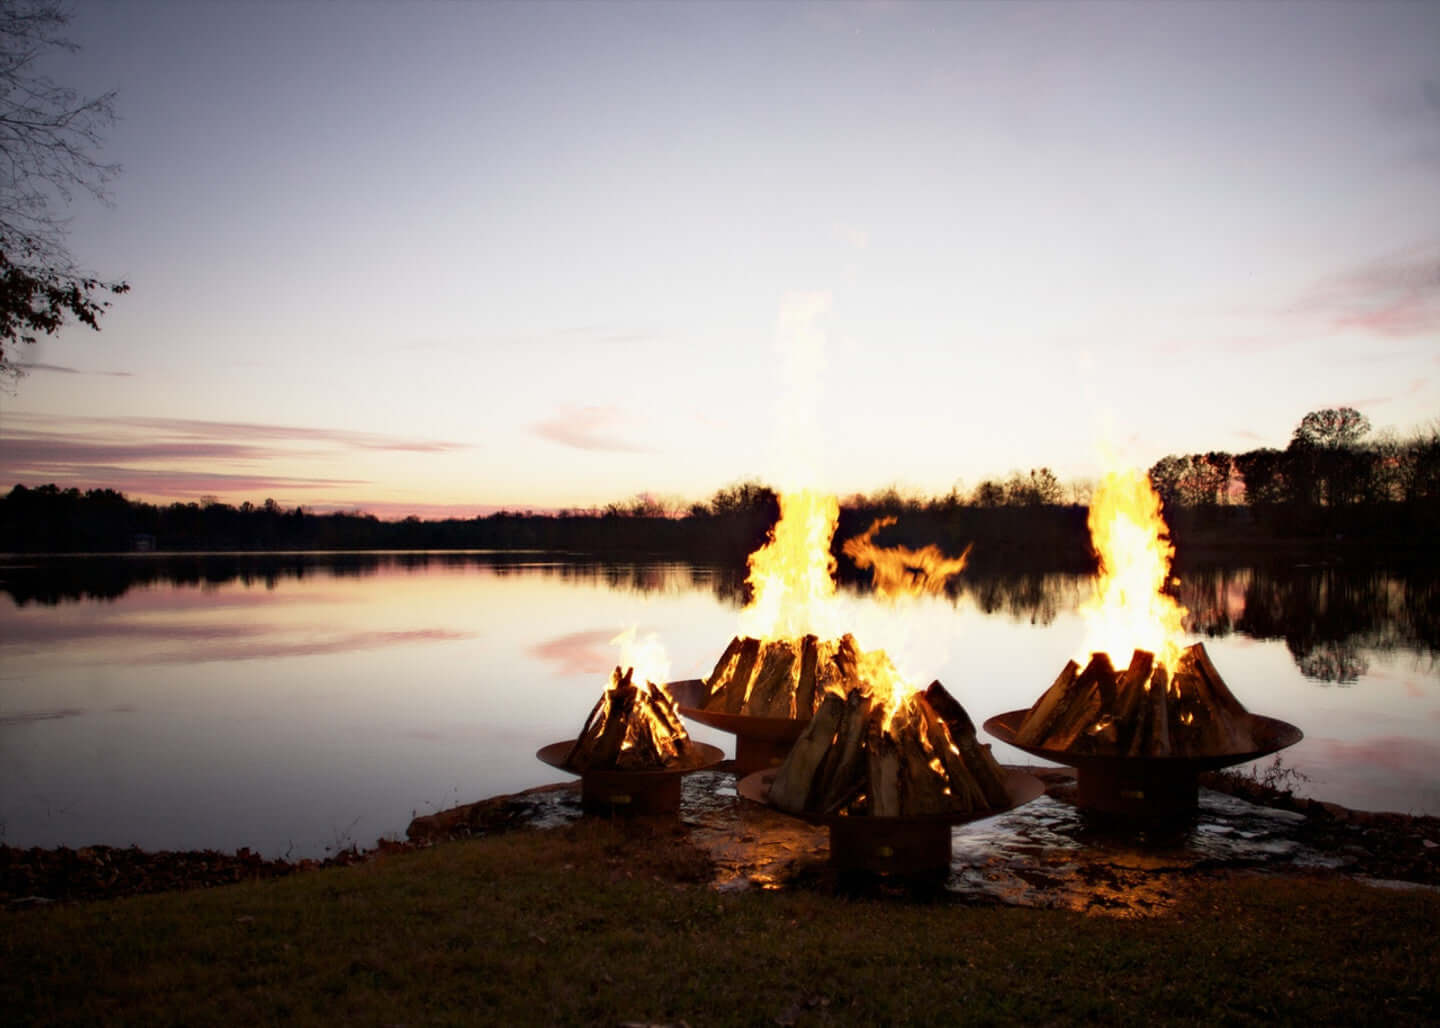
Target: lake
column 299, row 703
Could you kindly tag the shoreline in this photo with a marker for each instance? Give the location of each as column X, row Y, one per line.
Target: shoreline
column 1397, row 847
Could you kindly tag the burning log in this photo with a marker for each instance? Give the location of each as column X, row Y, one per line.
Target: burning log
column 1143, row 711
column 974, row 755
column 921, row 760
column 796, row 778
column 632, row 728
column 842, row 775
column 780, row 678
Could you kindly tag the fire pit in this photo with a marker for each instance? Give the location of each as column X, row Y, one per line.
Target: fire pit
column 890, row 777
column 1147, row 788
column 632, row 751
column 1140, row 738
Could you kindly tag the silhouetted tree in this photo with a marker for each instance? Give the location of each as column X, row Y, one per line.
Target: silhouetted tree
column 1334, row 428
column 48, row 138
column 1263, row 473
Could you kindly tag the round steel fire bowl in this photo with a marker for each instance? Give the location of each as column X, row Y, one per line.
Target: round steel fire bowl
column 641, row 791
column 761, row 743
column 917, row 845
column 1147, row 788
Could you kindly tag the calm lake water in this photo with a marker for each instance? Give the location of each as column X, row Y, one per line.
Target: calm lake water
column 300, row 703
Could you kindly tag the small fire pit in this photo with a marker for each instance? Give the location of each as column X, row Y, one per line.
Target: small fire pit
column 632, row 751
column 636, row 791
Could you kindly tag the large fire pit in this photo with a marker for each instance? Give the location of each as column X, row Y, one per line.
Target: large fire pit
column 1140, row 738
column 890, row 776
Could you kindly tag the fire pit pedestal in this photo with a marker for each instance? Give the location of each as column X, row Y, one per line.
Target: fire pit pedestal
column 1150, row 788
column 761, row 743
column 895, row 845
column 642, row 791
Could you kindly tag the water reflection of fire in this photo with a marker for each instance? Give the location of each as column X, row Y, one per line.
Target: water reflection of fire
column 791, row 652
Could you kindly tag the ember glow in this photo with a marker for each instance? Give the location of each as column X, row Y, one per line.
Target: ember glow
column 1129, row 609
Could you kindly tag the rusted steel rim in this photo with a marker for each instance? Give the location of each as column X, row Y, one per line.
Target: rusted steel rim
column 1020, row 787
column 1272, row 734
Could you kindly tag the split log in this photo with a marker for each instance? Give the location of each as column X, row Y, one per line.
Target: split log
column 795, row 780
column 922, row 784
column 1035, row 728
column 1154, row 739
column 724, row 667
column 979, row 761
column 883, row 763
column 843, row 773
column 840, row 672
column 1084, row 703
column 772, row 692
column 807, row 696
column 727, row 695
column 965, row 794
column 579, row 751
column 606, row 747
column 1130, row 697
column 1230, row 722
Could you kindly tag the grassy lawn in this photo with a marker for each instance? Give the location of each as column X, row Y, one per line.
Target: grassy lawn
column 599, row 924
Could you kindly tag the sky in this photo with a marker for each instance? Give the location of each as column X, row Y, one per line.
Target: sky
column 443, row 258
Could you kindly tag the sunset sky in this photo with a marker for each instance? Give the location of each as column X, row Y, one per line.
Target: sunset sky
column 440, row 258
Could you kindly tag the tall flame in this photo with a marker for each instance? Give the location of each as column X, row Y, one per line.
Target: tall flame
column 647, row 656
column 793, row 575
column 1129, row 610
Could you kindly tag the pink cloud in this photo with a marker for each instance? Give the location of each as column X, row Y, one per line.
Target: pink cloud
column 1397, row 295
column 177, row 458
column 589, row 428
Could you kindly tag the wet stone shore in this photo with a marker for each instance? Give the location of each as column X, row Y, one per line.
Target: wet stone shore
column 1046, row 854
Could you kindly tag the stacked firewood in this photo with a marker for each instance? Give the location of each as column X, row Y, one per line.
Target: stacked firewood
column 781, row 678
column 1141, row 711
column 632, row 728
column 925, row 761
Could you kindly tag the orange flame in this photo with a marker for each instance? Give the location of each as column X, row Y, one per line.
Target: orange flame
column 899, row 570
column 1128, row 610
column 645, row 656
column 793, row 574
column 887, row 687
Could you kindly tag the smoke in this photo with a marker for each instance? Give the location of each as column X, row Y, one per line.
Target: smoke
column 799, row 449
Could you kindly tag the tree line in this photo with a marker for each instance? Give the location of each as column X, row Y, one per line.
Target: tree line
column 1334, row 476
column 1332, row 480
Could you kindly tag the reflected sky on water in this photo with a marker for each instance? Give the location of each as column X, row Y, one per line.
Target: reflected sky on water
column 317, row 700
